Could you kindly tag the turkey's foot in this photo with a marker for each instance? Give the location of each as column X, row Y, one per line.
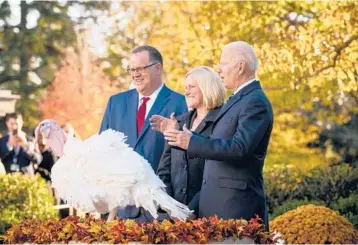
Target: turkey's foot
column 112, row 215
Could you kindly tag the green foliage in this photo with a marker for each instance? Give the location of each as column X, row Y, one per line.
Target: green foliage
column 342, row 139
column 331, row 184
column 282, row 184
column 31, row 54
column 348, row 207
column 23, row 197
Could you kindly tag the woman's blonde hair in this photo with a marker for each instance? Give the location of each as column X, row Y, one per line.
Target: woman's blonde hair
column 210, row 84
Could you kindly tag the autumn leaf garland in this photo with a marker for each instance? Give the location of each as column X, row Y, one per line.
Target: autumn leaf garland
column 92, row 230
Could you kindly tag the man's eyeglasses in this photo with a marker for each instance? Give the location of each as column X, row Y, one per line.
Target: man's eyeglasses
column 139, row 69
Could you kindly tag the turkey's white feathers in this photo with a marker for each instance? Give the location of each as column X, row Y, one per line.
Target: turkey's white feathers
column 103, row 172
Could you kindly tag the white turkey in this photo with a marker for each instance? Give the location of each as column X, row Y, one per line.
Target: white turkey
column 102, row 174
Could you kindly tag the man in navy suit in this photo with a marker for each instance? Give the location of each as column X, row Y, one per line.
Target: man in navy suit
column 129, row 111
column 232, row 181
column 14, row 150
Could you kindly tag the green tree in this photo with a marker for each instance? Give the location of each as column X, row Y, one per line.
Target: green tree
column 32, row 49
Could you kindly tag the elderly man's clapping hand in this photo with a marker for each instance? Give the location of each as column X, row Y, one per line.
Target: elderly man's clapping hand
column 178, row 138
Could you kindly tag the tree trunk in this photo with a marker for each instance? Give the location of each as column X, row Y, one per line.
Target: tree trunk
column 24, row 57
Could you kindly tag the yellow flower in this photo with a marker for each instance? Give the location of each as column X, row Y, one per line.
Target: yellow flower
column 314, row 224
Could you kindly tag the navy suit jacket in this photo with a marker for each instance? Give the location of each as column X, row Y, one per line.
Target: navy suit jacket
column 121, row 115
column 232, row 181
column 23, row 159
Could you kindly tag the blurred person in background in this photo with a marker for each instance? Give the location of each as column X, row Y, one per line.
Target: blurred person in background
column 67, row 127
column 48, row 160
column 45, row 166
column 31, row 146
column 15, row 152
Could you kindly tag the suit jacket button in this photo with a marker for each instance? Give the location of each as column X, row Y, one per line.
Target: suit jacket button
column 204, row 181
column 185, row 166
column 184, row 190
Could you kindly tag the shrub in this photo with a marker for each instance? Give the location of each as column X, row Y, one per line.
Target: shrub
column 23, row 197
column 329, row 185
column 90, row 230
column 312, row 224
column 282, row 183
column 348, row 207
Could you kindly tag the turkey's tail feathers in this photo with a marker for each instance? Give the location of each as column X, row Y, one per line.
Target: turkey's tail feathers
column 154, row 197
column 174, row 208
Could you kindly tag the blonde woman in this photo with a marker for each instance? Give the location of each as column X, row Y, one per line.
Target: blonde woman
column 204, row 94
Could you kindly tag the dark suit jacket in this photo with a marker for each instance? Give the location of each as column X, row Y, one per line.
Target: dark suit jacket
column 44, row 168
column 121, row 114
column 233, row 182
column 7, row 157
column 183, row 175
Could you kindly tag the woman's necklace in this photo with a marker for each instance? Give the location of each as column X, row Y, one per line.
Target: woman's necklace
column 196, row 122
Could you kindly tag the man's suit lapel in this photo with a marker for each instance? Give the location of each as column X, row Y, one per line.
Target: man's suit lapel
column 132, row 107
column 237, row 97
column 157, row 107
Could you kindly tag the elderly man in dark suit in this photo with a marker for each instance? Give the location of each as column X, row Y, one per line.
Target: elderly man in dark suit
column 233, row 181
